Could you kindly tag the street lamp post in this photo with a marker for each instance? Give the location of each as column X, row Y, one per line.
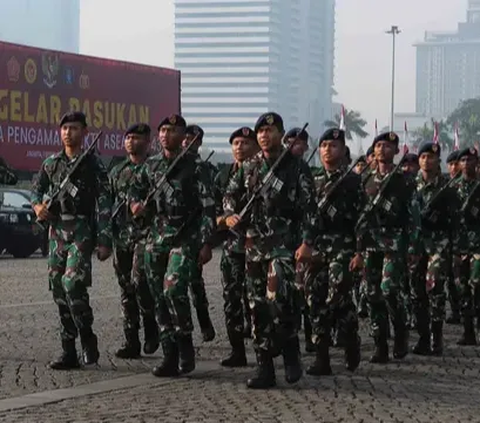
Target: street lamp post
column 394, row 31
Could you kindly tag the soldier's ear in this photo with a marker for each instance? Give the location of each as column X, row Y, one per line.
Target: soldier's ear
column 397, row 150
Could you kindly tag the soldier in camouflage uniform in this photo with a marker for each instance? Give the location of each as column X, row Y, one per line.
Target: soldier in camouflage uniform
column 429, row 265
column 381, row 232
column 329, row 279
column 75, row 230
column 197, row 284
column 361, row 164
column 410, row 164
column 299, row 148
column 232, row 265
column 467, row 259
column 182, row 218
column 270, row 247
column 129, row 250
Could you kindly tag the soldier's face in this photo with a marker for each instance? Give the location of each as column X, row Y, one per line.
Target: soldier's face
column 332, row 152
column 269, row 138
column 136, row 144
column 359, row 167
column 171, row 137
column 453, row 168
column 370, row 158
column 243, row 148
column 72, row 134
column 299, row 147
column 188, row 139
column 468, row 164
column 428, row 162
column 410, row 167
column 385, row 151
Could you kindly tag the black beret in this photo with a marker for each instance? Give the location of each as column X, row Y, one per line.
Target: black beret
column 332, row 134
column 139, row 129
column 244, row 132
column 195, row 130
column 370, row 151
column 270, row 119
column 452, row 157
column 295, row 133
column 468, row 152
column 74, row 117
column 387, row 136
column 174, row 120
column 410, row 158
column 362, row 159
column 429, row 147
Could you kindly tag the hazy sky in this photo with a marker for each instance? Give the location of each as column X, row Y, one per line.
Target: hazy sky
column 142, row 31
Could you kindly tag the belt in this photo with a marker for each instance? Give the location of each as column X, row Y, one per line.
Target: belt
column 67, row 217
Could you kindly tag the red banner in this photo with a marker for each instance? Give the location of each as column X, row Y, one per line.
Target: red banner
column 38, row 86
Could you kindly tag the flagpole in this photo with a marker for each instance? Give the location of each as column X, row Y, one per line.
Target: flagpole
column 394, row 31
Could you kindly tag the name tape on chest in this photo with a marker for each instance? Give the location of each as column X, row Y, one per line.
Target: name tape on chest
column 71, row 189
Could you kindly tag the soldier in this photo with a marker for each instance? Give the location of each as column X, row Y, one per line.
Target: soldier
column 329, row 278
column 182, row 219
column 389, row 214
column 197, row 284
column 410, row 164
column 73, row 232
column 348, row 156
column 232, row 265
column 270, row 247
column 453, row 166
column 361, row 164
column 129, row 251
column 430, row 263
column 371, row 157
column 299, row 148
column 467, row 259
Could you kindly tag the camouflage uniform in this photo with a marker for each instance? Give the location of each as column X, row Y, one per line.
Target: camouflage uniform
column 183, row 220
column 329, row 280
column 129, row 265
column 73, row 234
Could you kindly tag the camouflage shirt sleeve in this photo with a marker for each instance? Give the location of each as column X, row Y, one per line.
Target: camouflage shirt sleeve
column 234, row 192
column 307, row 204
column 360, row 201
column 104, row 204
column 41, row 185
column 414, row 221
column 140, row 184
column 208, row 222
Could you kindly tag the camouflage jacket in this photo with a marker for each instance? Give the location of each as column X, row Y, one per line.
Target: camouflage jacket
column 290, row 202
column 438, row 221
column 92, row 200
column 184, row 209
column 126, row 231
column 340, row 214
column 395, row 222
column 468, row 235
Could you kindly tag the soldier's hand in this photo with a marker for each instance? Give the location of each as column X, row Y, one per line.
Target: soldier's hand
column 137, row 209
column 232, row 221
column 205, row 255
column 356, row 263
column 103, row 253
column 303, row 253
column 221, row 222
column 42, row 212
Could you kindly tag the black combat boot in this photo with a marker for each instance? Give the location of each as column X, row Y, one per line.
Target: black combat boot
column 422, row 347
column 321, row 365
column 187, row 353
column 468, row 337
column 352, row 352
column 380, row 355
column 152, row 337
column 169, row 365
column 307, row 325
column 237, row 357
column 131, row 348
column 206, row 326
column 68, row 360
column 265, row 377
column 291, row 360
column 437, row 344
column 90, row 353
column 400, row 342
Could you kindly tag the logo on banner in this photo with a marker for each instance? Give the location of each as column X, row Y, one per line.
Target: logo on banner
column 50, row 67
column 30, row 71
column 13, row 70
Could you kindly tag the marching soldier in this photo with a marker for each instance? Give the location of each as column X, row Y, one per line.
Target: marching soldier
column 182, row 219
column 371, row 157
column 270, row 246
column 232, row 264
column 361, row 164
column 73, row 232
column 388, row 215
column 197, row 284
column 129, row 250
column 453, row 166
column 430, row 264
column 329, row 278
column 300, row 142
column 410, row 164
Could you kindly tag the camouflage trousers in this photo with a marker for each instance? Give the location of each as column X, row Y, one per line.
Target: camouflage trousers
column 384, row 273
column 232, row 266
column 452, row 290
column 467, row 279
column 428, row 277
column 136, row 299
column 169, row 275
column 70, row 275
column 197, row 289
column 329, row 292
column 273, row 302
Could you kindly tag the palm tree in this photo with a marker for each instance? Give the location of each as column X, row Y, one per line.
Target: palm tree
column 425, row 134
column 354, row 124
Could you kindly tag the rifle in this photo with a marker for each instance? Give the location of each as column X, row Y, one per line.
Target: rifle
column 209, row 156
column 428, row 208
column 267, row 182
column 67, row 186
column 311, row 155
column 372, row 206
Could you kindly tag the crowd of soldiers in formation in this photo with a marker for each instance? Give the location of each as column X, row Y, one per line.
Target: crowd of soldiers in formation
column 320, row 245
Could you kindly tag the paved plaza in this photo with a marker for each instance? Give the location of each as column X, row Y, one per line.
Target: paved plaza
column 418, row 389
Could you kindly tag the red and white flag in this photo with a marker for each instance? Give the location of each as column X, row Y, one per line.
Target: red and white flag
column 405, row 138
column 435, row 133
column 456, row 138
column 342, row 119
column 376, row 128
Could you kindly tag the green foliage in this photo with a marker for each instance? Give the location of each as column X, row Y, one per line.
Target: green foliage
column 354, row 124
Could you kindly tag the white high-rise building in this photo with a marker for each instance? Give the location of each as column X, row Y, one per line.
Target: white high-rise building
column 241, row 58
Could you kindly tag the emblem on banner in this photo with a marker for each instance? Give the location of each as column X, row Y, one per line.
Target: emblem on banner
column 30, row 71
column 50, row 67
column 13, row 70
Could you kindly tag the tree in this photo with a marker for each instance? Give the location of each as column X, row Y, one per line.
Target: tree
column 467, row 116
column 354, row 124
column 425, row 134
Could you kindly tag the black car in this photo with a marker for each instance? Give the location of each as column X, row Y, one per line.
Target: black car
column 20, row 236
